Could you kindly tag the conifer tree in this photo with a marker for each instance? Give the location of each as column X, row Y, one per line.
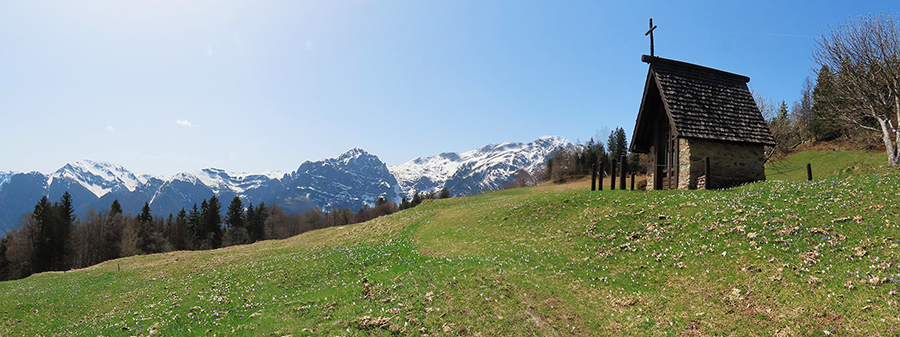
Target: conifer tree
column 203, row 227
column 236, row 231
column 235, row 215
column 256, row 223
column 63, row 242
column 115, row 208
column 783, row 111
column 212, row 223
column 445, row 193
column 51, row 234
column 250, row 221
column 621, row 143
column 145, row 216
column 404, row 204
column 42, row 233
column 825, row 100
column 180, row 237
column 194, row 227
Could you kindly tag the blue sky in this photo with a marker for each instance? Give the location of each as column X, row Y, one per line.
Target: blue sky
column 173, row 85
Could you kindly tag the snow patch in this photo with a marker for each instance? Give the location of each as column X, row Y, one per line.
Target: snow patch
column 4, row 177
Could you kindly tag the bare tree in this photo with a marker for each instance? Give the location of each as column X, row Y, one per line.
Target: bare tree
column 20, row 249
column 88, row 240
column 865, row 55
column 780, row 124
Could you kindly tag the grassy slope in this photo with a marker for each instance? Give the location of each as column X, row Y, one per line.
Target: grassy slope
column 825, row 164
column 774, row 258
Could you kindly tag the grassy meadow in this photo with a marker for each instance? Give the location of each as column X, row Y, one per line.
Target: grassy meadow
column 785, row 257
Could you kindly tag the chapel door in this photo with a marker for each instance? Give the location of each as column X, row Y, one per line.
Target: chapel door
column 671, row 168
column 666, row 158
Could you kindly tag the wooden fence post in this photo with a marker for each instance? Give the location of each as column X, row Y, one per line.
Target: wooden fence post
column 706, row 173
column 623, row 173
column 593, row 177
column 612, row 176
column 601, row 176
column 809, row 172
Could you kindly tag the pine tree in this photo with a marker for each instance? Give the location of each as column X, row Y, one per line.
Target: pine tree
column 211, row 223
column 145, row 216
column 62, row 241
column 46, row 235
column 250, row 221
column 180, row 236
column 194, row 227
column 404, row 204
column 825, row 100
column 257, row 228
column 115, row 208
column 143, row 230
column 611, row 145
column 783, row 111
column 204, row 230
column 236, row 232
column 445, row 193
column 621, row 143
column 416, row 200
column 235, row 215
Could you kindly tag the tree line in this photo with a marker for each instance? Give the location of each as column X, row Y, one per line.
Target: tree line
column 577, row 162
column 52, row 238
column 420, row 197
column 855, row 96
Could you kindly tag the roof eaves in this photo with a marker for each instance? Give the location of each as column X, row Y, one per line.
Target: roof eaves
column 652, row 59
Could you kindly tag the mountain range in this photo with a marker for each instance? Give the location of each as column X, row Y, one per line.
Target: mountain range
column 354, row 179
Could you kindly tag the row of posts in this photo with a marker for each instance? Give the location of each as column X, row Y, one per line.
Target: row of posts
column 612, row 184
column 624, row 168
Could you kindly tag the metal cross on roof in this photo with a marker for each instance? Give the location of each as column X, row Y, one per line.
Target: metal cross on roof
column 650, row 32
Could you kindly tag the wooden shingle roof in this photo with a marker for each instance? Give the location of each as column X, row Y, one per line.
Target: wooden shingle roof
column 700, row 102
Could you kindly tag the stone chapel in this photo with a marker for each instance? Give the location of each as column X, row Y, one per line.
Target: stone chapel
column 690, row 112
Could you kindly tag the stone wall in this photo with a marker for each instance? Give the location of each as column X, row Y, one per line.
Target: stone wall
column 731, row 163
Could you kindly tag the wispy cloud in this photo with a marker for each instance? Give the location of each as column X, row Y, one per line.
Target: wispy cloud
column 183, row 123
column 110, row 128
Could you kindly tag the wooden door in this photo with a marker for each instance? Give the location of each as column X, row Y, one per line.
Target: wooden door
column 666, row 157
column 670, row 170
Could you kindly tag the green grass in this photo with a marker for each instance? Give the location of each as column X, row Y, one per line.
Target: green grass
column 825, row 164
column 775, row 258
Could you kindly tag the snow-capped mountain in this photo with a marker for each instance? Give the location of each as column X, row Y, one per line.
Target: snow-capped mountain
column 488, row 168
column 220, row 181
column 354, row 179
column 94, row 185
column 4, row 177
column 97, row 177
